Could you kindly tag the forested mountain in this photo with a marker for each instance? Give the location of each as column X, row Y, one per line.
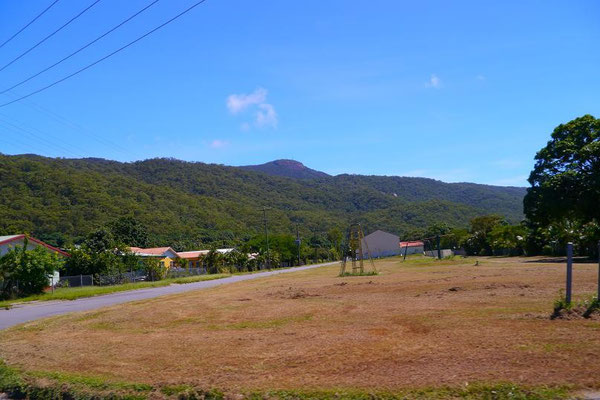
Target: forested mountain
column 287, row 168
column 190, row 203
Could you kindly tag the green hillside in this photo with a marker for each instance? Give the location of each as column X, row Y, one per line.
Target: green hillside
column 187, row 203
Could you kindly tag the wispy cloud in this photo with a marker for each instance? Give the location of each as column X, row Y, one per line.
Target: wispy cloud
column 266, row 116
column 434, row 82
column 218, row 144
column 480, row 77
column 264, row 112
column 239, row 102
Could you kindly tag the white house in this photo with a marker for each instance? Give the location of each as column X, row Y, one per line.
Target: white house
column 9, row 242
column 380, row 244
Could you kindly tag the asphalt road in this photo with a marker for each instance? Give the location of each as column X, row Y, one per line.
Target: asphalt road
column 31, row 311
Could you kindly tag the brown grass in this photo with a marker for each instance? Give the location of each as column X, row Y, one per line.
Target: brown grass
column 416, row 324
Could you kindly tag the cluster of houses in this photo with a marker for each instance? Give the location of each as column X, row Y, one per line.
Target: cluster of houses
column 377, row 244
column 169, row 257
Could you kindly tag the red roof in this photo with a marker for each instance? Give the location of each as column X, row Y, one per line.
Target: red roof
column 192, row 254
column 152, row 251
column 14, row 238
column 416, row 243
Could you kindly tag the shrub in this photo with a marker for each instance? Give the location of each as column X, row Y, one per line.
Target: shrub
column 26, row 272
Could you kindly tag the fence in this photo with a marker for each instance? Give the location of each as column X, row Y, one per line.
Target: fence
column 176, row 272
column 76, row 281
column 434, row 253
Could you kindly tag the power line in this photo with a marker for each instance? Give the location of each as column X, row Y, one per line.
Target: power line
column 107, row 56
column 81, row 130
column 50, row 35
column 45, row 136
column 26, row 26
column 40, row 138
column 82, row 48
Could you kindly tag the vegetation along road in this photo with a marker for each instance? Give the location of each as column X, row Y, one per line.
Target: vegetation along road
column 36, row 310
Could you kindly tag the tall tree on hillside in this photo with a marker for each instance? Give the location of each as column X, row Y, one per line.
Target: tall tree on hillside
column 129, row 231
column 565, row 182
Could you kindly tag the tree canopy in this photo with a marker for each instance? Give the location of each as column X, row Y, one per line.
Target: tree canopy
column 562, row 203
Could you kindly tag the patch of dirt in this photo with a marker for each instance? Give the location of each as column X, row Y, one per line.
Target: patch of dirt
column 572, row 314
column 292, row 293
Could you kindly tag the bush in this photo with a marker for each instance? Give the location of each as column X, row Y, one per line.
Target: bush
column 26, row 272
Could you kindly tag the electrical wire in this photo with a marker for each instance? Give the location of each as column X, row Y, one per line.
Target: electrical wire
column 27, row 26
column 49, row 36
column 81, row 48
column 107, row 56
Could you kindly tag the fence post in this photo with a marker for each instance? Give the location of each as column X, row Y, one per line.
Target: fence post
column 80, row 280
column 569, row 272
column 92, row 276
column 437, row 239
column 598, row 294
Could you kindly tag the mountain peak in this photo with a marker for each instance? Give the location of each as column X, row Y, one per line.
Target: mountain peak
column 287, row 168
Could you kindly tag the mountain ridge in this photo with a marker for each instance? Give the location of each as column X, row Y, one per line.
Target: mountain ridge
column 287, row 168
column 192, row 202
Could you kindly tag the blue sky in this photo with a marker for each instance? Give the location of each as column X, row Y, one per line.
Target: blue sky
column 457, row 91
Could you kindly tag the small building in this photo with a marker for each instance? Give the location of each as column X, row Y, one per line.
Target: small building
column 9, row 242
column 165, row 255
column 413, row 247
column 194, row 257
column 380, row 244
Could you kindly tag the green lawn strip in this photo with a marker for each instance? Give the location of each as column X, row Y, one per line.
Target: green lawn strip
column 471, row 392
column 89, row 291
column 55, row 385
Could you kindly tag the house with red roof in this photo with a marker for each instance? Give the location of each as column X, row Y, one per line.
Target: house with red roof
column 166, row 255
column 9, row 242
column 194, row 257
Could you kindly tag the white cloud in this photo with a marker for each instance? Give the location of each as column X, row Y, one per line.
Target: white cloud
column 434, row 82
column 264, row 115
column 217, row 144
column 239, row 102
column 480, row 77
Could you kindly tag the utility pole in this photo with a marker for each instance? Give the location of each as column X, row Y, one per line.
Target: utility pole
column 569, row 272
column 266, row 236
column 298, row 241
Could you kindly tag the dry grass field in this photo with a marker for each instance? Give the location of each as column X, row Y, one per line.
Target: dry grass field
column 419, row 323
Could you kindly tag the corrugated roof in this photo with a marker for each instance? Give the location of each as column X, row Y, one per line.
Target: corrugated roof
column 8, row 238
column 152, row 251
column 198, row 253
column 415, row 243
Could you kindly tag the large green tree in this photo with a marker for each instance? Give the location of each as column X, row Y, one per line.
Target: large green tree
column 24, row 272
column 565, row 182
